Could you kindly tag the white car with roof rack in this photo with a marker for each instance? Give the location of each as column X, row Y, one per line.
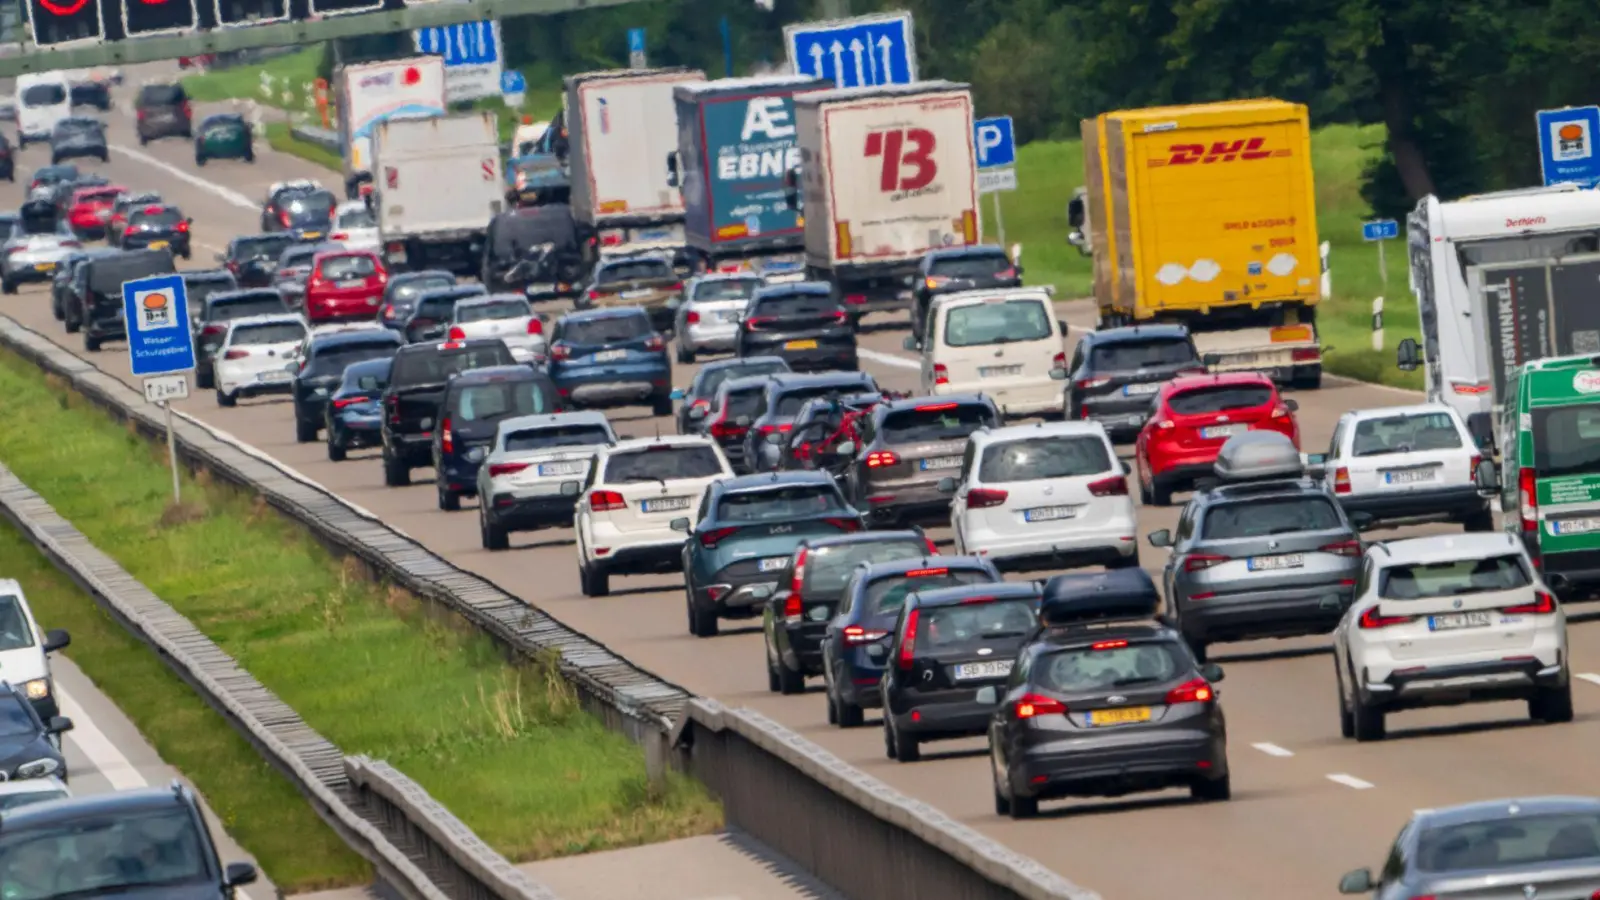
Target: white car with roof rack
column 508, row 317
column 1006, row 343
column 257, row 356
column 1407, row 464
column 535, row 471
column 1449, row 619
column 636, row 488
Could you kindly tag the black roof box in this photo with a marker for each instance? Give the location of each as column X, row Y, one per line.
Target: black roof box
column 1082, row 598
column 1258, row 455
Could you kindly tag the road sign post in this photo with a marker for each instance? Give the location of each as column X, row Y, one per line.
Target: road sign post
column 472, row 59
column 996, row 146
column 1566, row 145
column 513, row 88
column 636, row 54
column 866, row 51
column 1380, row 231
column 160, row 347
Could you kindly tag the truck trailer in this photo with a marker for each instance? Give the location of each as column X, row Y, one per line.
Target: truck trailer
column 373, row 92
column 439, row 184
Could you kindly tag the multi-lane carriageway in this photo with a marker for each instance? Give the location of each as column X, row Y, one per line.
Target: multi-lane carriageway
column 1307, row 804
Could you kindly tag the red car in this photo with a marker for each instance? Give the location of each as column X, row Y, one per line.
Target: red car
column 345, row 284
column 90, row 210
column 1194, row 416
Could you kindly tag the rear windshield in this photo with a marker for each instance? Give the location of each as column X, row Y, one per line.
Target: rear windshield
column 366, row 380
column 778, row 504
column 557, row 436
column 499, row 309
column 938, row 422
column 796, row 305
column 439, row 307
column 478, row 402
column 79, row 126
column 1447, row 579
column 1528, row 841
column 297, row 256
column 409, row 291
column 328, row 360
column 436, row 366
column 153, row 94
column 201, row 288
column 828, row 568
column 1002, row 322
column 269, row 246
column 661, row 463
column 726, row 289
column 221, row 124
column 357, row 217
column 1043, row 457
column 1278, row 515
column 43, row 95
column 1084, row 670
column 713, row 379
column 889, row 594
column 972, row 267
column 1402, row 434
column 345, row 267
column 791, row 402
column 164, row 216
column 276, row 333
column 1566, row 440
column 1153, row 353
column 946, row 626
column 229, row 310
column 742, row 403
column 606, row 330
column 1199, row 401
column 635, row 269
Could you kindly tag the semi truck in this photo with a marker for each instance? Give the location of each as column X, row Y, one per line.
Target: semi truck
column 736, row 142
column 373, row 92
column 886, row 174
column 1205, row 216
column 1501, row 279
column 438, row 185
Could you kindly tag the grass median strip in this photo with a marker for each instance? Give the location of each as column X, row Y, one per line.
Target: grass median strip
column 281, row 140
column 258, row 806
column 505, row 747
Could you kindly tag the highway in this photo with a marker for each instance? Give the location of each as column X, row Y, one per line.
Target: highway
column 1308, row 805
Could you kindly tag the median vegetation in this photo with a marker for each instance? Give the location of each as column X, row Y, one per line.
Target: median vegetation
column 505, row 747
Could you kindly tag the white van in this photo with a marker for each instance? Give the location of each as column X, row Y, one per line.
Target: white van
column 43, row 99
column 25, row 649
column 1003, row 343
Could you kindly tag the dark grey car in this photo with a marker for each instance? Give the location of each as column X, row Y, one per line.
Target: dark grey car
column 1115, row 374
column 1528, row 849
column 162, row 110
column 78, row 137
column 702, row 391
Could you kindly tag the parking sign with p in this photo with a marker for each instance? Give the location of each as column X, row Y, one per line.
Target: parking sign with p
column 994, row 142
column 1566, row 145
column 156, row 312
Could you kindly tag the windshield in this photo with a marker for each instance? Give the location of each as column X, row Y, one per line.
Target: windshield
column 938, row 422
column 44, row 95
column 15, row 632
column 969, row 267
column 828, row 568
column 480, row 402
column 1038, row 458
column 1085, row 670
column 791, row 402
column 1128, row 356
column 356, row 265
column 241, row 309
column 499, row 309
column 778, row 504
column 1526, row 842
column 1201, row 401
column 635, row 269
column 661, row 463
column 726, row 289
column 606, row 330
column 408, row 291
column 997, row 322
column 260, row 335
column 221, row 126
column 796, row 305
column 26, row 798
column 889, row 594
column 1423, row 581
column 266, row 247
column 329, row 360
column 433, row 366
column 95, row 855
column 1278, row 515
column 711, row 379
column 557, row 436
column 1566, row 440
column 164, row 216
column 946, row 626
column 1403, row 434
column 357, row 217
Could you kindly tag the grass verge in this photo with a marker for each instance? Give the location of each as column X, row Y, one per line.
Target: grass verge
column 282, row 141
column 259, row 807
column 505, row 747
column 295, row 70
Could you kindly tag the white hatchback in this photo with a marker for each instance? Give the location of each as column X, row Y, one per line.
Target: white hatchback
column 1449, row 619
column 354, row 226
column 708, row 319
column 258, row 356
column 1004, row 343
column 508, row 317
column 637, row 489
column 1407, row 464
column 1044, row 496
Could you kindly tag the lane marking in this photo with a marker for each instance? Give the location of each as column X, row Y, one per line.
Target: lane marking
column 1350, row 781
column 889, row 359
column 1589, row 677
column 1272, row 750
column 228, row 194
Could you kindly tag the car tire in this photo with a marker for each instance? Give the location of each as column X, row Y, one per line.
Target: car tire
column 1347, row 720
column 594, row 582
column 7, row 286
column 1310, row 381
column 1024, row 807
column 203, row 378
column 1130, row 561
column 336, row 451
column 304, row 432
column 199, row 159
column 850, row 715
column 1212, row 790
column 1002, row 803
column 105, row 156
column 1552, row 705
column 250, row 155
column 790, row 682
column 772, row 676
column 702, row 623
column 1480, row 521
column 144, row 141
column 494, row 537
column 395, row 473
column 91, row 343
column 1370, row 721
column 833, row 705
column 661, row 405
column 449, row 500
column 1160, row 494
column 685, row 355
column 72, row 325
column 906, row 749
column 225, row 399
column 187, row 253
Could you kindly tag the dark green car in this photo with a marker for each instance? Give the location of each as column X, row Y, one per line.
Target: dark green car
column 224, row 136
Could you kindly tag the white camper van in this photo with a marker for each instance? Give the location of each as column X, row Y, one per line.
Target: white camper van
column 43, row 99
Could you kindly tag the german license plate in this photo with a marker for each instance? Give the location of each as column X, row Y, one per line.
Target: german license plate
column 998, row 371
column 1275, row 563
column 774, row 564
column 1221, row 431
column 641, row 292
column 352, row 283
column 941, row 462
column 1408, row 476
column 1127, row 716
column 45, row 267
column 1135, row 390
column 800, row 345
column 311, row 234
column 560, row 468
column 159, row 245
column 999, row 668
column 666, row 504
column 654, row 234
column 540, row 288
column 1574, row 526
column 273, row 377
column 610, row 355
column 1458, row 620
column 1049, row 513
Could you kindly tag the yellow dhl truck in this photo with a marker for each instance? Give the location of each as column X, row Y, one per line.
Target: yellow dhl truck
column 1205, row 216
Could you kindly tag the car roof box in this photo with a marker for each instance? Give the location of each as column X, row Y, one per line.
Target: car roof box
column 1076, row 599
column 1258, row 456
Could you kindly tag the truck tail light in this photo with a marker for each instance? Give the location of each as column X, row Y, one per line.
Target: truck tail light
column 941, row 374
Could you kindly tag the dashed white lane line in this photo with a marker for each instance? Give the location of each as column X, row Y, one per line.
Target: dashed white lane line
column 1273, row 750
column 1350, row 781
column 228, row 194
column 1589, row 677
column 889, row 359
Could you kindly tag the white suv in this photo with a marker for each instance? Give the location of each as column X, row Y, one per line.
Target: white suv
column 1043, row 496
column 1445, row 620
column 636, row 488
column 1407, row 464
column 257, row 357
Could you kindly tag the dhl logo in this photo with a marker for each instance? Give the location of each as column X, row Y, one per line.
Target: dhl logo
column 1220, row 151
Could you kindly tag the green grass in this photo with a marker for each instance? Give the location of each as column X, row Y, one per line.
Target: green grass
column 506, row 748
column 244, row 82
column 282, row 141
column 258, row 806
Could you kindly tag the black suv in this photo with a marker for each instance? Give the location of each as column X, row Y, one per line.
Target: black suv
column 803, row 323
column 958, row 269
column 417, row 383
column 1115, row 374
column 100, row 315
column 156, row 227
column 253, row 258
column 475, row 403
column 773, row 417
column 162, row 110
column 322, row 365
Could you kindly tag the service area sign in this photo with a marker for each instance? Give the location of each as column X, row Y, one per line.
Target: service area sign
column 160, row 341
column 1566, row 145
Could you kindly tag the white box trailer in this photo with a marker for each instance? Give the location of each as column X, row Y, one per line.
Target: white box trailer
column 438, row 183
column 622, row 127
column 369, row 93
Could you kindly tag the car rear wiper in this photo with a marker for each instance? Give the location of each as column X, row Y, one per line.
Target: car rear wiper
column 1380, row 451
column 1001, row 634
column 1139, row 679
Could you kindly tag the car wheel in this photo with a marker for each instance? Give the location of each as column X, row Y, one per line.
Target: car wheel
column 91, row 343
column 594, row 582
column 906, row 749
column 1212, row 790
column 1347, row 721
column 7, row 286
column 105, row 156
column 494, row 536
column 789, row 681
column 889, row 748
column 199, row 159
column 250, row 155
column 772, row 675
column 685, row 355
column 1024, row 807
column 661, row 405
column 1553, row 705
column 186, row 253
column 702, row 623
column 305, row 432
column 203, row 378
column 336, row 451
column 225, row 399
column 850, row 715
column 1002, row 803
column 833, row 707
column 1369, row 721
column 395, row 472
column 449, row 500
column 1160, row 494
column 72, row 325
column 144, row 141
column 1483, row 520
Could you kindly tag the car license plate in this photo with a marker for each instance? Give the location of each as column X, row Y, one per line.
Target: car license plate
column 1221, row 431
column 641, row 292
column 800, row 345
column 159, row 245
column 540, row 289
column 1275, row 563
column 1458, row 620
column 273, row 377
column 45, row 267
column 1049, row 513
column 774, row 564
column 610, row 355
column 1574, row 526
column 1127, row 716
column 941, row 462
column 352, row 283
column 311, row 234
column 1408, row 476
column 998, row 371
column 654, row 234
column 560, row 468
column 1135, row 390
column 999, row 668
column 666, row 504
column 728, row 315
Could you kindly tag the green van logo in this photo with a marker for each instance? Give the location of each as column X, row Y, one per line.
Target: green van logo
column 1587, row 382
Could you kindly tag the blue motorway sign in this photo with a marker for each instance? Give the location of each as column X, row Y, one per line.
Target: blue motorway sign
column 995, row 142
column 467, row 44
column 860, row 52
column 635, row 40
column 1380, row 230
column 512, row 82
column 156, row 311
column 1566, row 145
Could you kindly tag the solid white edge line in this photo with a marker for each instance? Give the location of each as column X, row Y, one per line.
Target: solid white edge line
column 1589, row 677
column 1350, row 781
column 1273, row 749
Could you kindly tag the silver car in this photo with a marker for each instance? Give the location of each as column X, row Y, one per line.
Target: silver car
column 1528, row 849
column 708, row 317
column 38, row 242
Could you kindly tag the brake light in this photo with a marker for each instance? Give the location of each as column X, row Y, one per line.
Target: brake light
column 712, row 538
column 755, row 322
column 343, row 402
column 1371, row 618
column 1472, row 473
column 855, row 299
column 447, row 440
column 595, row 295
column 691, row 318
column 506, row 468
column 848, row 526
column 393, row 403
column 855, row 636
column 183, row 227
column 794, row 604
column 186, row 109
column 1115, row 486
column 339, row 236
column 1196, row 691
column 1543, row 605
column 936, row 407
column 984, row 498
column 793, row 607
column 927, row 573
column 941, row 374
column 840, row 316
column 535, row 326
column 877, row 459
column 1006, row 273
column 776, row 428
column 456, row 334
column 908, row 645
column 1200, row 561
column 236, row 354
column 560, row 351
column 1527, row 485
column 676, row 287
column 1089, row 384
column 1343, row 548
column 606, row 501
column 1281, row 412
column 1108, row 645
column 1029, row 706
column 1341, row 480
column 283, row 216
column 1059, row 361
column 655, row 343
column 213, row 329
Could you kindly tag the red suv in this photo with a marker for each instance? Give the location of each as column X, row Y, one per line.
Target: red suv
column 90, row 210
column 344, row 284
column 1194, row 416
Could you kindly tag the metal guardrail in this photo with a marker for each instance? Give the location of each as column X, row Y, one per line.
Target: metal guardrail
column 849, row 829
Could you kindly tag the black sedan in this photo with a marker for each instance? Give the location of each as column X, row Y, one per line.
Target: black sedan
column 27, row 743
column 802, row 323
column 156, row 227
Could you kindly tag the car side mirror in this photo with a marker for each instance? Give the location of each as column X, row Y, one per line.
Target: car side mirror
column 696, row 413
column 1211, row 672
column 1291, row 405
column 679, row 524
column 910, row 344
column 59, row 725
column 677, row 393
column 1357, row 882
column 947, row 485
column 571, row 488
column 1062, row 326
column 1162, row 538
column 239, row 873
column 56, row 639
column 1361, row 521
column 188, row 221
column 1059, row 374
column 845, row 448
column 1487, row 477
column 1408, row 356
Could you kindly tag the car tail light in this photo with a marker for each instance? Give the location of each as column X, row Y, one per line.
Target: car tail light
column 655, row 343
column 1089, row 384
column 722, row 429
column 1342, row 548
column 756, row 322
column 71, row 244
column 1527, row 488
column 283, row 216
column 213, row 329
column 1542, row 605
column 1472, row 473
column 343, row 402
column 506, row 468
column 186, row 109
column 984, row 498
column 840, row 317
column 676, row 287
column 877, row 459
column 1115, row 486
column 1059, row 361
column 1200, row 561
column 691, row 318
column 856, row 636
column 560, row 351
column 794, row 604
column 1006, row 273
column 941, row 374
column 456, row 334
column 535, row 326
column 855, row 299
column 236, row 354
column 1196, row 691
column 1341, row 480
column 140, row 114
column 1281, row 412
column 447, row 439
column 595, row 295
column 1030, row 706
column 848, row 526
column 1371, row 618
column 908, row 644
column 339, row 236
column 606, row 501
column 712, row 538
column 183, row 227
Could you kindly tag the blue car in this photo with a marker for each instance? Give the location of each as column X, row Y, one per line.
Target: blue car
column 475, row 402
column 353, row 414
column 739, row 551
column 611, row 357
column 323, row 361
column 855, row 649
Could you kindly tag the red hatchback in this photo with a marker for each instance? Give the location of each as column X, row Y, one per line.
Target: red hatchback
column 90, row 210
column 345, row 284
column 1194, row 416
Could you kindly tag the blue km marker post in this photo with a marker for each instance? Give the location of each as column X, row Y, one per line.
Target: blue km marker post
column 160, row 346
column 1378, row 231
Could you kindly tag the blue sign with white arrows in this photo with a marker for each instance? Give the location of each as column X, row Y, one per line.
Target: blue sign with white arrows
column 996, row 146
column 156, row 311
column 467, row 44
column 1380, row 230
column 512, row 82
column 861, row 52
